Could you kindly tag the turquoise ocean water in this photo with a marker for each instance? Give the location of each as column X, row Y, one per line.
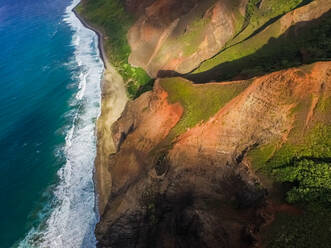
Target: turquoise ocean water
column 50, row 73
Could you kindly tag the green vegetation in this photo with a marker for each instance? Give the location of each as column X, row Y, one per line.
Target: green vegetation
column 267, row 51
column 256, row 17
column 187, row 37
column 324, row 104
column 308, row 230
column 306, row 166
column 271, row 50
column 303, row 165
column 313, row 180
column 192, row 38
column 259, row 14
column 241, row 50
column 110, row 17
column 239, row 19
column 200, row 102
column 261, row 155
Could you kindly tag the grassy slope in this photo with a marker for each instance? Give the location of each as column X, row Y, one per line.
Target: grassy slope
column 308, row 230
column 300, row 44
column 260, row 14
column 255, row 18
column 246, row 43
column 305, row 146
column 192, row 38
column 200, row 102
column 110, row 17
column 303, row 163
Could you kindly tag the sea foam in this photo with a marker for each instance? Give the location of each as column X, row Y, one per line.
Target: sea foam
column 72, row 218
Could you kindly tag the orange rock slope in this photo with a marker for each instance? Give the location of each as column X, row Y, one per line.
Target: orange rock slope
column 199, row 191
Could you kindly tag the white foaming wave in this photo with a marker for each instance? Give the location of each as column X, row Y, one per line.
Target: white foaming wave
column 76, row 41
column 82, row 85
column 72, row 221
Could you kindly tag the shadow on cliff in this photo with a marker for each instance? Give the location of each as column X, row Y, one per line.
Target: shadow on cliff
column 220, row 210
column 303, row 43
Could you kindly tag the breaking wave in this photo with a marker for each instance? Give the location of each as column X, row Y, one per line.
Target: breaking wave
column 71, row 215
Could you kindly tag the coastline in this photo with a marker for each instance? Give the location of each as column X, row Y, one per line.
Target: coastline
column 113, row 101
column 68, row 215
column 99, row 34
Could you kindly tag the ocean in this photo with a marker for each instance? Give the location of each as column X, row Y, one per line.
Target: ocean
column 50, row 74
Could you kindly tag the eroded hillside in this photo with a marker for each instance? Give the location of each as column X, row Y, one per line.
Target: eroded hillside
column 227, row 143
column 195, row 187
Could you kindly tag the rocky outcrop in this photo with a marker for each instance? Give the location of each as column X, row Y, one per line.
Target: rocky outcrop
column 198, row 191
column 178, row 35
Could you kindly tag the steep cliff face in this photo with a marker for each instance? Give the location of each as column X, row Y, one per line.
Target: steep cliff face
column 204, row 165
column 195, row 189
column 273, row 40
column 179, row 35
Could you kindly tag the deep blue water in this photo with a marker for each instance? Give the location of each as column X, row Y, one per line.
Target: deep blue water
column 49, row 100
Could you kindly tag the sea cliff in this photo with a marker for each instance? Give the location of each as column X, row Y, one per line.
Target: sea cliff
column 215, row 149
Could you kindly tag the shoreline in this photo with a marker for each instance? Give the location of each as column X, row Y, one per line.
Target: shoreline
column 100, row 35
column 113, row 101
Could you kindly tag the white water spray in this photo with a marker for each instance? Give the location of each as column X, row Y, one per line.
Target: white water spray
column 72, row 221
